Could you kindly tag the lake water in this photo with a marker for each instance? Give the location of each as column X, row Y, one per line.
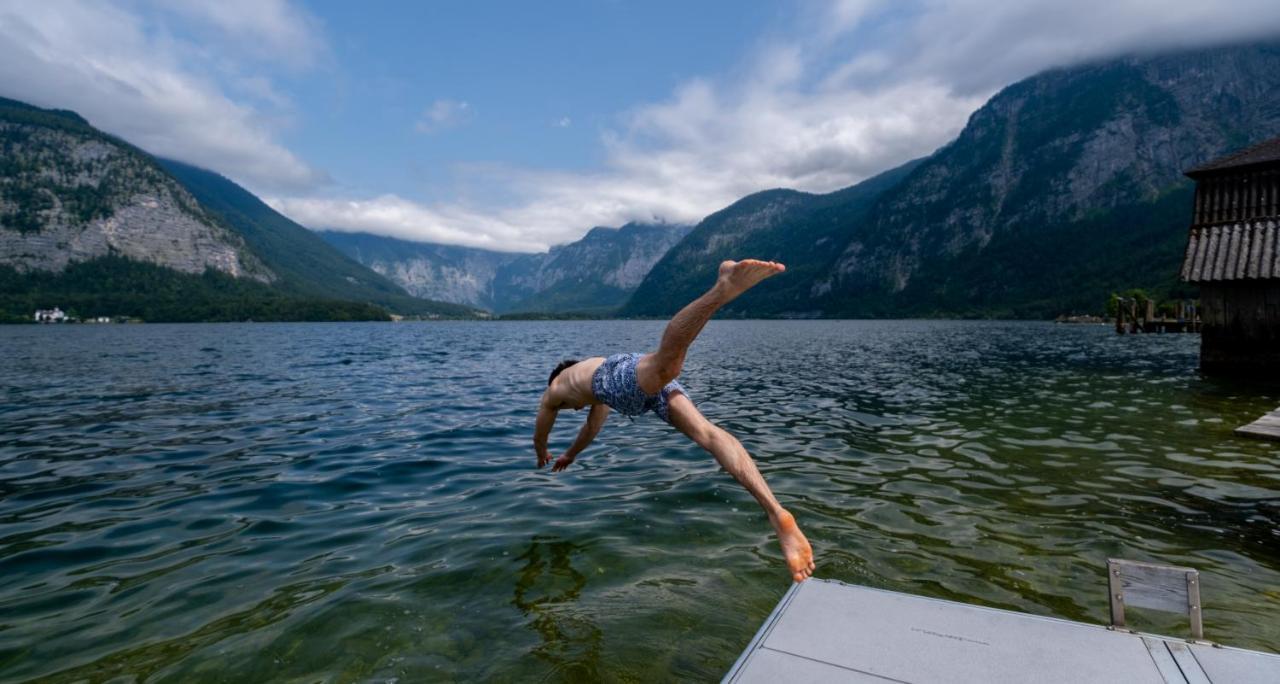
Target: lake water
column 338, row 502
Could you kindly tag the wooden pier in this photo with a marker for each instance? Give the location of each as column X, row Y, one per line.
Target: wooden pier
column 1129, row 320
column 1266, row 427
column 827, row 631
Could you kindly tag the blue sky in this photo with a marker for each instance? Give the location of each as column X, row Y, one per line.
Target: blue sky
column 540, row 82
column 518, row 125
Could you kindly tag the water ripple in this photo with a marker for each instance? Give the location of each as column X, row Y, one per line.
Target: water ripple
column 350, row 502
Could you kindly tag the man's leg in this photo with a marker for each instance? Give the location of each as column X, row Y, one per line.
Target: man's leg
column 735, row 459
column 655, row 370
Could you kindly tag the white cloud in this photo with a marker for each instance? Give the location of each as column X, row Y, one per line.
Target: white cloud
column 395, row 216
column 443, row 114
column 131, row 77
column 682, row 159
column 978, row 45
column 563, row 122
column 269, row 28
column 841, row 16
column 678, row 161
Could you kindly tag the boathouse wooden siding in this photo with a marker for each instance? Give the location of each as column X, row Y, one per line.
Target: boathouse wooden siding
column 1233, row 254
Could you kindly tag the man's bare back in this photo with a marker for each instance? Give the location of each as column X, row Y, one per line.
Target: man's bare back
column 635, row 383
column 571, row 389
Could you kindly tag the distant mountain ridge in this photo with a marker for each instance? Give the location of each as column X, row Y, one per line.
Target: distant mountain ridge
column 595, row 274
column 462, row 275
column 1062, row 188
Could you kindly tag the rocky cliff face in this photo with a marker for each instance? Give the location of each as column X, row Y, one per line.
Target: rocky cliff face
column 71, row 194
column 462, row 275
column 595, row 273
column 1062, row 148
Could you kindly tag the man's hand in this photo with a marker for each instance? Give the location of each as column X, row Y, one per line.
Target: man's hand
column 563, row 462
column 544, row 457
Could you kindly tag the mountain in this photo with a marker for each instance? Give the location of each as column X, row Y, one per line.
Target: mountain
column 801, row 230
column 595, row 274
column 70, row 193
column 1062, row 188
column 91, row 223
column 305, row 264
column 463, row 275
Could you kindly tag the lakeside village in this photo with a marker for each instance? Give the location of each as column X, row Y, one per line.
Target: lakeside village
column 57, row 315
column 1181, row 316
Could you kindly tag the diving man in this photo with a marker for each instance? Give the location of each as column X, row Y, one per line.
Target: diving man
column 636, row 383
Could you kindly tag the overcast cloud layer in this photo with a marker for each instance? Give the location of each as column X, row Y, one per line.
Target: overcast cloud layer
column 858, row 87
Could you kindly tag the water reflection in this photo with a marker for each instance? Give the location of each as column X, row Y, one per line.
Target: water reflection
column 546, row 592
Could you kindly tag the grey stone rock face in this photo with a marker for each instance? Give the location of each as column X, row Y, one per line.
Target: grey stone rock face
column 460, row 275
column 457, row 276
column 618, row 257
column 68, row 197
column 596, row 271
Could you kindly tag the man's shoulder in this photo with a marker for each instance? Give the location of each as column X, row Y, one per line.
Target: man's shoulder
column 585, row 367
column 575, row 376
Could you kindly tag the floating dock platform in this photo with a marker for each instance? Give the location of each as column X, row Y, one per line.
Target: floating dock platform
column 1266, row 427
column 827, row 631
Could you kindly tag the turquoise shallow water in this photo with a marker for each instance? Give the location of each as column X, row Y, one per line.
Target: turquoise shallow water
column 358, row 502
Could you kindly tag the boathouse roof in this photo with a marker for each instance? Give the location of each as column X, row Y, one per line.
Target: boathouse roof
column 1262, row 153
column 1235, row 223
column 1237, row 251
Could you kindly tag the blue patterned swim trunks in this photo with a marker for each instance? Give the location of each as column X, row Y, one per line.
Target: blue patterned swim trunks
column 615, row 384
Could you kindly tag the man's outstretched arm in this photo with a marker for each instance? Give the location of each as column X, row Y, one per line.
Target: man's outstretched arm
column 591, row 428
column 542, row 430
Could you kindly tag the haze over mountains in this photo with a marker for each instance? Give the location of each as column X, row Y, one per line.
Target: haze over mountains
column 595, row 274
column 1062, row 188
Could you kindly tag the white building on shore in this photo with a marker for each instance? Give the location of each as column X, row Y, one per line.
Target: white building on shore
column 54, row 315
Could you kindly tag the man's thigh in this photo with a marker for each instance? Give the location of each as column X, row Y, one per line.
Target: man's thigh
column 647, row 375
column 686, row 418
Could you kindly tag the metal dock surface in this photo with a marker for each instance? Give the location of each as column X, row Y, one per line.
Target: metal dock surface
column 824, row 631
column 1266, row 427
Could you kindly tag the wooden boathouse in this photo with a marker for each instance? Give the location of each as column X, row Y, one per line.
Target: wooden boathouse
column 1233, row 254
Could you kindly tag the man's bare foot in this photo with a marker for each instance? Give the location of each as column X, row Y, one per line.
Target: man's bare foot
column 737, row 277
column 795, row 548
